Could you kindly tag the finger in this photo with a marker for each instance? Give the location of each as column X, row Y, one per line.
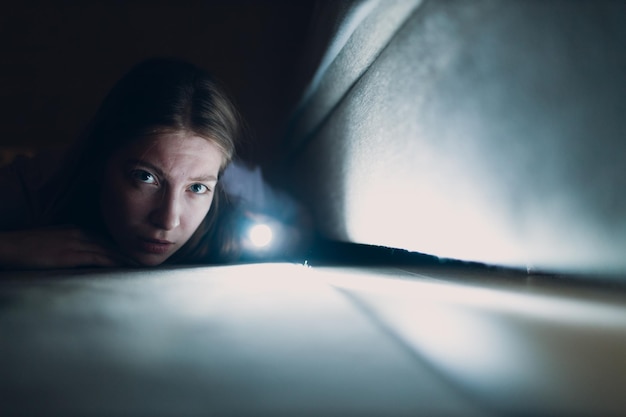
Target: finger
column 95, row 259
column 93, row 250
column 89, row 244
column 112, row 257
column 72, row 259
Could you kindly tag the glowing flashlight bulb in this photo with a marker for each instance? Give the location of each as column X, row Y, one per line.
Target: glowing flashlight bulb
column 260, row 235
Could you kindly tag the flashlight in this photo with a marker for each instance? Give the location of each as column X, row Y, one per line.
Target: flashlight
column 260, row 235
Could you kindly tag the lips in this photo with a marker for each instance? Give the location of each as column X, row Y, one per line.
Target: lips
column 155, row 246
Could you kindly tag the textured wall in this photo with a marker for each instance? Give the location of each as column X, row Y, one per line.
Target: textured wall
column 487, row 131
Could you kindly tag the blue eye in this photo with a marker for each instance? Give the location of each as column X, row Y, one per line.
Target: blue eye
column 143, row 176
column 198, row 188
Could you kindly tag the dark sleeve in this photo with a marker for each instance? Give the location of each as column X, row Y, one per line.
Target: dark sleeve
column 21, row 202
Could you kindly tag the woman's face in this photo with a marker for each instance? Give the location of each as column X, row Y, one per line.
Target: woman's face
column 157, row 191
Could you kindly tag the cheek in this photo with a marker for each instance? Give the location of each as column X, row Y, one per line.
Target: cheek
column 195, row 213
column 122, row 205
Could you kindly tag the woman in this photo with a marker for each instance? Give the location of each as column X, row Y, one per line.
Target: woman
column 140, row 187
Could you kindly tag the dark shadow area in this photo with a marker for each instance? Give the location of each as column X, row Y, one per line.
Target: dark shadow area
column 61, row 57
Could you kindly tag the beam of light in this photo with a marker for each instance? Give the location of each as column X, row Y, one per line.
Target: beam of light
column 490, row 340
column 424, row 289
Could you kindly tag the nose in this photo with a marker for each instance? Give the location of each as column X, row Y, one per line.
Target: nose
column 166, row 213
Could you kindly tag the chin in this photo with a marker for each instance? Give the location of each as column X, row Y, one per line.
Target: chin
column 149, row 260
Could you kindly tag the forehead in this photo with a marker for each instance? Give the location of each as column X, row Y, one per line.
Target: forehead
column 176, row 154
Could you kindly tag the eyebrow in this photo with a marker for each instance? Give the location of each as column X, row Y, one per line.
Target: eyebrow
column 160, row 172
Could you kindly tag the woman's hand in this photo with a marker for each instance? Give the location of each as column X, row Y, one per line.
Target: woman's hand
column 58, row 247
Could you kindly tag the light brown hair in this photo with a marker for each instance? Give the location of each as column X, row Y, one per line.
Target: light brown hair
column 156, row 96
